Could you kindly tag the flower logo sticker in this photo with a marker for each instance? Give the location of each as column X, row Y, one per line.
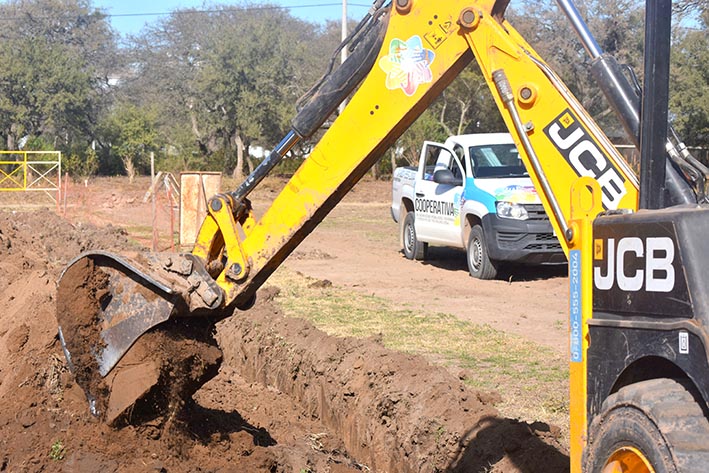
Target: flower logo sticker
column 407, row 65
column 518, row 194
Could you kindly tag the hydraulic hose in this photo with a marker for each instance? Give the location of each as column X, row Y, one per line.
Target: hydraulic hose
column 338, row 85
column 624, row 100
column 324, row 99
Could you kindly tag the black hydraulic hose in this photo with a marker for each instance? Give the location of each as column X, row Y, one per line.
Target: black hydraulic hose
column 339, row 84
column 326, row 96
column 624, row 99
column 350, row 43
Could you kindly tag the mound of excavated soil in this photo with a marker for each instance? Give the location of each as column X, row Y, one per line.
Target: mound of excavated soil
column 287, row 398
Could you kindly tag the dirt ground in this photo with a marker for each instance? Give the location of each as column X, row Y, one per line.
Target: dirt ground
column 287, row 397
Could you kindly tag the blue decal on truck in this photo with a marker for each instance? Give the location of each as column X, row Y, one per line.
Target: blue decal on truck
column 473, row 192
column 575, row 321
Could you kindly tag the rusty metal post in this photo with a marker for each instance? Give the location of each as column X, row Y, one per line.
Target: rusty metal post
column 153, row 203
column 66, row 189
column 171, row 209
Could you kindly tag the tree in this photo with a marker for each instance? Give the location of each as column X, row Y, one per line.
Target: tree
column 55, row 59
column 230, row 76
column 689, row 98
column 687, row 6
column 467, row 106
column 426, row 128
column 130, row 135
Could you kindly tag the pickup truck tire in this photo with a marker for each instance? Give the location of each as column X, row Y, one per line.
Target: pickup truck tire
column 653, row 425
column 413, row 248
column 479, row 263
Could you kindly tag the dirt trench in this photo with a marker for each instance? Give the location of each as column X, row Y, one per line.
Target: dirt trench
column 287, row 397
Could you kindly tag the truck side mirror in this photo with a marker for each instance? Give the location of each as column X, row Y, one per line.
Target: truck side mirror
column 445, row 176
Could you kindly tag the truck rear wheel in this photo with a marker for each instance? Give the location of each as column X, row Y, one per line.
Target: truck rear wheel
column 479, row 263
column 413, row 248
column 653, row 426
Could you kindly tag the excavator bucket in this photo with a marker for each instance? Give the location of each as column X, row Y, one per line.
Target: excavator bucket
column 106, row 303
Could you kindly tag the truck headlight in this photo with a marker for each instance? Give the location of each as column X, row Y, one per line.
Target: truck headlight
column 512, row 210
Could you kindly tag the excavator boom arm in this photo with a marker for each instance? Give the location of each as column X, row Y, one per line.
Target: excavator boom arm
column 422, row 51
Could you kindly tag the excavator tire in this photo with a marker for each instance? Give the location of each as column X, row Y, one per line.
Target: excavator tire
column 650, row 426
column 414, row 249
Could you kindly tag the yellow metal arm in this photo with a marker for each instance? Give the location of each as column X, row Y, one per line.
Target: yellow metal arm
column 425, row 47
column 556, row 137
column 422, row 52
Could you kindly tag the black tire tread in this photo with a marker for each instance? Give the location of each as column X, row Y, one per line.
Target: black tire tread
column 488, row 267
column 669, row 404
column 420, row 249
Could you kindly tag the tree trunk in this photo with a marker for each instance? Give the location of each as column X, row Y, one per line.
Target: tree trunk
column 375, row 171
column 442, row 117
column 193, row 120
column 463, row 115
column 11, row 139
column 11, row 142
column 238, row 173
column 393, row 158
column 129, row 167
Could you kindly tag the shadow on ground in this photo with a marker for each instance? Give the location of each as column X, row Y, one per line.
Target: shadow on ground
column 453, row 259
column 205, row 424
column 508, row 445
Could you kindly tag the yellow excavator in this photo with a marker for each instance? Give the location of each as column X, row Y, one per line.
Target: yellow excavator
column 636, row 246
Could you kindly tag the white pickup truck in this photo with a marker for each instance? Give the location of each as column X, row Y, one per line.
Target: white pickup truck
column 473, row 192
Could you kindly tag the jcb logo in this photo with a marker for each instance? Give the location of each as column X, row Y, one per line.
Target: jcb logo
column 585, row 157
column 634, row 264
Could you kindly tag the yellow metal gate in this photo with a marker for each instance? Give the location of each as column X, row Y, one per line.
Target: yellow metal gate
column 35, row 171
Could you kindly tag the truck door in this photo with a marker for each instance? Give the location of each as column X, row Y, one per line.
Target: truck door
column 437, row 204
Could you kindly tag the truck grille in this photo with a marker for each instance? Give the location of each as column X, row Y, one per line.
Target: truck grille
column 536, row 212
column 544, row 246
column 537, row 241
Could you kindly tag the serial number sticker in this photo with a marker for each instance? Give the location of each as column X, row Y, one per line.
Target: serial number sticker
column 575, row 329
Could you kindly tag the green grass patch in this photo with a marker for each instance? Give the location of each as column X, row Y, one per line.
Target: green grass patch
column 531, row 379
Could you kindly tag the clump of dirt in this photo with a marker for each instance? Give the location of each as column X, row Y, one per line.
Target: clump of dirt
column 78, row 308
column 313, row 254
column 157, row 378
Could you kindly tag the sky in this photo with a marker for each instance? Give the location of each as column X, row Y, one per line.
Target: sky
column 128, row 17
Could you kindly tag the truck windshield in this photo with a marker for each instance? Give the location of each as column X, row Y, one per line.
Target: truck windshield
column 501, row 160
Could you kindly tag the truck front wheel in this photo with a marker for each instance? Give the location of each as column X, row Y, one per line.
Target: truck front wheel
column 479, row 263
column 413, row 248
column 651, row 426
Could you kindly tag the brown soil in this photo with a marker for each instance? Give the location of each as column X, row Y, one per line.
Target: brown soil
column 287, row 397
column 161, row 371
column 77, row 311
